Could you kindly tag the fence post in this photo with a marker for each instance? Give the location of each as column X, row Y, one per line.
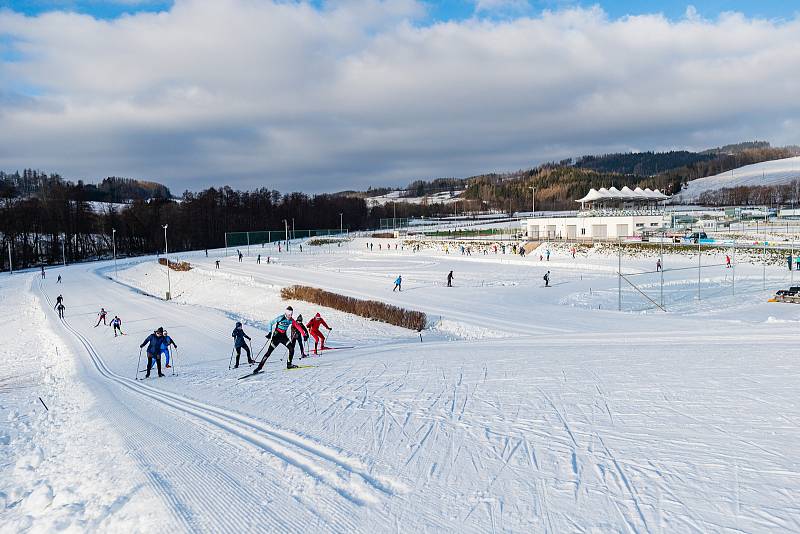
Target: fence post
column 699, row 255
column 619, row 277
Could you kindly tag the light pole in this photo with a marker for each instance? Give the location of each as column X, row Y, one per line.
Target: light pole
column 286, row 233
column 10, row 265
column 341, row 223
column 533, row 200
column 63, row 253
column 293, row 234
column 114, row 249
column 166, row 257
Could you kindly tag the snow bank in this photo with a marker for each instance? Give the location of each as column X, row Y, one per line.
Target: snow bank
column 62, row 469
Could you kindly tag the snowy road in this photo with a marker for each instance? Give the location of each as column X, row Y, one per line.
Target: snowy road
column 571, row 419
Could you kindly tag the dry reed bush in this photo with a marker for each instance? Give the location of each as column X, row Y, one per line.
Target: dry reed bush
column 175, row 265
column 371, row 309
column 383, row 235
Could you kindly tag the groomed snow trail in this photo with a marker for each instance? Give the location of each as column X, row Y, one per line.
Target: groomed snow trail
column 589, row 421
column 191, row 450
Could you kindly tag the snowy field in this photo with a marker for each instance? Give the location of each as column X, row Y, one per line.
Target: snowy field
column 776, row 172
column 520, row 409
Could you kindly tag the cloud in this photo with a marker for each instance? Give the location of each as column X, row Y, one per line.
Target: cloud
column 364, row 92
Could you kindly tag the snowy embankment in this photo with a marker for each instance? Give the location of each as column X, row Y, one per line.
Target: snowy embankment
column 62, row 467
column 776, row 172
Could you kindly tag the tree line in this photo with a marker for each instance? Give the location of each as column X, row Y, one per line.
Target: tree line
column 60, row 221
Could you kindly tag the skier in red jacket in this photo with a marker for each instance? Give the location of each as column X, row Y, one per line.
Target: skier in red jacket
column 313, row 329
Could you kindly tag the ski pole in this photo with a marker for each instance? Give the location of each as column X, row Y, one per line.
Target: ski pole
column 174, row 354
column 230, row 362
column 138, row 363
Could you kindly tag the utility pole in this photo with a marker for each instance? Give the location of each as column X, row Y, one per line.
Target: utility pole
column 166, row 257
column 341, row 223
column 619, row 278
column 10, row 265
column 114, row 249
column 533, row 200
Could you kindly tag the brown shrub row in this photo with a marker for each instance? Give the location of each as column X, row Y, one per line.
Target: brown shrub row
column 176, row 265
column 371, row 309
column 383, row 235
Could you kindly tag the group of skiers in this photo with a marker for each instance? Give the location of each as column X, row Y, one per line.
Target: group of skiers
column 158, row 344
column 283, row 330
column 116, row 322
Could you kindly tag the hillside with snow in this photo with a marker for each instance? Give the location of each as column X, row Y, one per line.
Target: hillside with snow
column 776, row 172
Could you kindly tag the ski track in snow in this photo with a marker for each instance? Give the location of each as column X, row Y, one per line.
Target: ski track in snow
column 575, row 420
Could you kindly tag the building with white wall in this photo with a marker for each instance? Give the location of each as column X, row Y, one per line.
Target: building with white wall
column 605, row 214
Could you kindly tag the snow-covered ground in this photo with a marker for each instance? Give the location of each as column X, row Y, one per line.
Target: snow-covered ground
column 445, row 197
column 776, row 172
column 520, row 409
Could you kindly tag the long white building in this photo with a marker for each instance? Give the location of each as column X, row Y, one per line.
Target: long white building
column 605, row 214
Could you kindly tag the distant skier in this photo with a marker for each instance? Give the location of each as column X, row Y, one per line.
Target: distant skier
column 58, row 280
column 101, row 317
column 727, row 262
column 239, row 343
column 281, row 325
column 166, row 341
column 450, row 279
column 398, row 282
column 547, row 254
column 116, row 323
column 153, row 343
column 240, row 256
column 60, row 308
column 258, row 260
column 658, row 264
column 314, row 329
column 300, row 335
column 59, row 300
column 43, row 275
column 547, row 279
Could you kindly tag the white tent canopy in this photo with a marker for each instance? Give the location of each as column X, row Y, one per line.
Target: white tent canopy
column 625, row 194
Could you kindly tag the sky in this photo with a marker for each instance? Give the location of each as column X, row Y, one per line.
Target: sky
column 326, row 96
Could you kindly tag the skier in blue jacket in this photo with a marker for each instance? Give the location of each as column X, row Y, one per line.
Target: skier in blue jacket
column 239, row 343
column 153, row 343
column 166, row 341
column 397, row 283
column 282, row 326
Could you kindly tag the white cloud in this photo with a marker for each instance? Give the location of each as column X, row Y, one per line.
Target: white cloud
column 358, row 93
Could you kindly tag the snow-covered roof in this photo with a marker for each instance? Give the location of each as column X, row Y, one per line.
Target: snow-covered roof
column 624, row 194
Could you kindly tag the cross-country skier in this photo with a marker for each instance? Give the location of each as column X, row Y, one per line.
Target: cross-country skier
column 217, row 263
column 398, row 282
column 300, row 335
column 727, row 262
column 59, row 299
column 60, row 308
column 101, row 317
column 43, row 275
column 239, row 343
column 281, row 325
column 547, row 279
column 240, row 256
column 58, row 281
column 313, row 329
column 258, row 260
column 166, row 341
column 116, row 323
column 450, row 279
column 658, row 264
column 153, row 343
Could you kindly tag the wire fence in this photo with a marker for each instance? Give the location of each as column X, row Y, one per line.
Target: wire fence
column 261, row 238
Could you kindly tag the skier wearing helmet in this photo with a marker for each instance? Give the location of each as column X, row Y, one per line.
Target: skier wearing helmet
column 279, row 334
column 239, row 343
column 313, row 329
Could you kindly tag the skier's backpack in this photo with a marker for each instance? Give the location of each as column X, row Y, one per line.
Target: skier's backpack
column 544, row 277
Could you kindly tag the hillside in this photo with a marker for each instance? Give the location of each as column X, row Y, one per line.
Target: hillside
column 782, row 172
